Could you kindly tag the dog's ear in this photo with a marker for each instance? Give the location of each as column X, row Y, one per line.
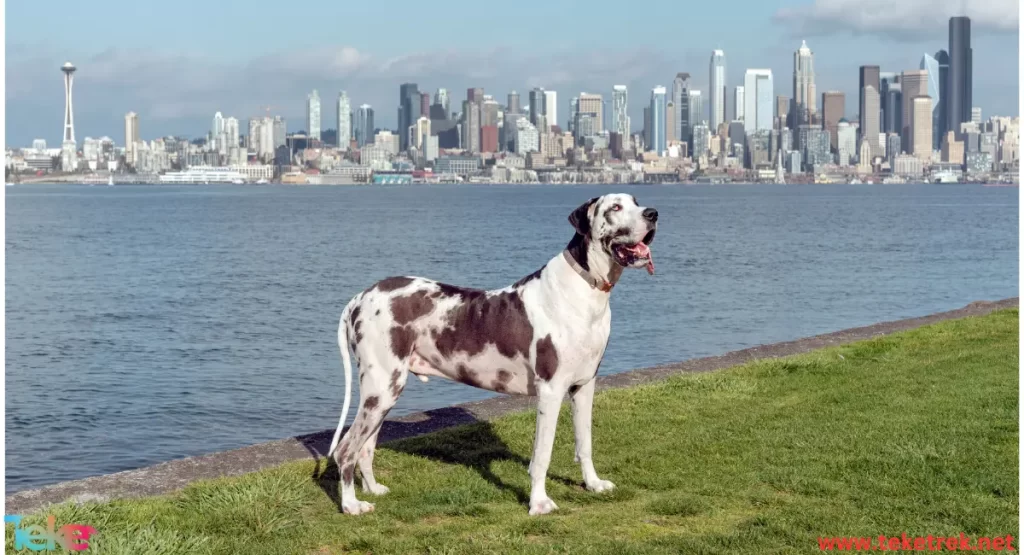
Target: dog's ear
column 580, row 218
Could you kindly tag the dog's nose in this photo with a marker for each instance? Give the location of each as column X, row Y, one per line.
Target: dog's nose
column 651, row 215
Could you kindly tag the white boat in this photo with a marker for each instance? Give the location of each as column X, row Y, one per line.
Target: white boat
column 262, row 182
column 110, row 181
column 203, row 175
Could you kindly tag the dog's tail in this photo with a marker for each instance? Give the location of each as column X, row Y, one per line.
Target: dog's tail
column 347, row 364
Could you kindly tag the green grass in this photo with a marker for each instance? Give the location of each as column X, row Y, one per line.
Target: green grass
column 915, row 432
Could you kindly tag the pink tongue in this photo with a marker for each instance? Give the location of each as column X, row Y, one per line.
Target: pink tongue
column 643, row 251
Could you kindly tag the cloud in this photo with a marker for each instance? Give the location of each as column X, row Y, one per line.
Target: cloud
column 179, row 91
column 897, row 19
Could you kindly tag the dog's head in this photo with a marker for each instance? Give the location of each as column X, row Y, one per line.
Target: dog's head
column 619, row 227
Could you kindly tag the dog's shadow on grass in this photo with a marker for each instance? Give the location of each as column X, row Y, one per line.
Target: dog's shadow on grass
column 472, row 444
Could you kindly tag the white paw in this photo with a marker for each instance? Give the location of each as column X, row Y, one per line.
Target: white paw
column 357, row 507
column 542, row 507
column 599, row 486
column 376, row 489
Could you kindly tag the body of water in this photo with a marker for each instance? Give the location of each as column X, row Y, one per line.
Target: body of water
column 151, row 323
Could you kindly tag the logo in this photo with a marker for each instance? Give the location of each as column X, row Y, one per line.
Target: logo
column 37, row 538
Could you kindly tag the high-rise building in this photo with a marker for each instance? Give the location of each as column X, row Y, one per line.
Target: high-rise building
column 217, row 129
column 408, row 111
column 364, row 125
column 550, row 109
column 670, row 115
column 344, row 120
column 441, row 97
column 952, row 149
column 803, row 84
column 594, row 104
column 717, row 88
column 921, row 128
column 537, row 98
column 870, row 113
column 471, row 126
column 759, row 93
column 891, row 102
column 833, row 106
column 960, row 81
column 976, row 115
column 656, row 133
column 620, row 108
column 313, row 115
column 681, row 100
column 781, row 110
column 131, row 137
column 846, row 140
column 869, row 75
column 914, row 83
column 512, row 106
column 939, row 109
column 739, row 103
column 696, row 110
column 893, row 147
column 279, row 132
column 931, row 65
column 231, row 132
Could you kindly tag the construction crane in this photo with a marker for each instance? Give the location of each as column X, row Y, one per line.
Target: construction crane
column 268, row 109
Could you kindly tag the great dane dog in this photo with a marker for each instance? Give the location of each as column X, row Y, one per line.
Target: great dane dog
column 545, row 335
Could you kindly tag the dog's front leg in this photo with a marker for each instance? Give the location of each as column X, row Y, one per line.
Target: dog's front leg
column 548, row 404
column 582, row 410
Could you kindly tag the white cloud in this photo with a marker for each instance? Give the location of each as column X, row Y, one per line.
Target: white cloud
column 900, row 19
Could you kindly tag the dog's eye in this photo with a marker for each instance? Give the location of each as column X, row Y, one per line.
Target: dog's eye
column 617, row 207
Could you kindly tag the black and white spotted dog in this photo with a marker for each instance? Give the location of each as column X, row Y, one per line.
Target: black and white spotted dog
column 545, row 335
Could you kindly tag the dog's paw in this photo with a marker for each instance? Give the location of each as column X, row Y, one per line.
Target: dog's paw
column 357, row 508
column 542, row 507
column 376, row 489
column 599, row 486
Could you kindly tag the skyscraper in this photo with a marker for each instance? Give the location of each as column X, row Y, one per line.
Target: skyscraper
column 717, row 88
column 364, row 125
column 471, row 126
column 739, row 103
column 131, row 137
column 939, row 103
column 891, row 101
column 593, row 104
column 344, row 122
column 408, row 111
column 931, row 65
column 803, row 84
column 833, row 106
column 681, row 100
column 512, row 106
column 781, row 110
column 550, row 110
column 441, row 97
column 869, row 75
column 656, row 133
column 921, row 128
column 870, row 113
column 696, row 109
column 313, row 115
column 914, row 83
column 217, row 129
column 958, row 109
column 537, row 98
column 759, row 93
column 620, row 107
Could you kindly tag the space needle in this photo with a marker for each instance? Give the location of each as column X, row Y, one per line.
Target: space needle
column 69, row 117
column 69, row 151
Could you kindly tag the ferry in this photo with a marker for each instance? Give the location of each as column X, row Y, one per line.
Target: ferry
column 203, row 175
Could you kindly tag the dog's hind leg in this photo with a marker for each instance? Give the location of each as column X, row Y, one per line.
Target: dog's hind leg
column 377, row 392
column 395, row 387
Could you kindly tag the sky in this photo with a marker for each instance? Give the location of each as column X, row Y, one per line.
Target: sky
column 179, row 65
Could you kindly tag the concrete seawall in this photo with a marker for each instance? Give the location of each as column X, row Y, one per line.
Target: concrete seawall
column 174, row 475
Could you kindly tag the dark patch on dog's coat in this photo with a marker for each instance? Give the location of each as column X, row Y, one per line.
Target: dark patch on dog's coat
column 528, row 279
column 348, row 473
column 371, row 402
column 573, row 389
column 468, row 376
column 396, row 388
column 411, row 307
column 390, row 284
column 357, row 324
column 501, row 380
column 499, row 319
column 402, row 339
column 547, row 358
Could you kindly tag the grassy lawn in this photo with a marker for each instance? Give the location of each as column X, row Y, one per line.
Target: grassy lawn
column 915, row 433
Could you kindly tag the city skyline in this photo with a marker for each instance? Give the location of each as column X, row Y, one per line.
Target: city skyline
column 369, row 79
